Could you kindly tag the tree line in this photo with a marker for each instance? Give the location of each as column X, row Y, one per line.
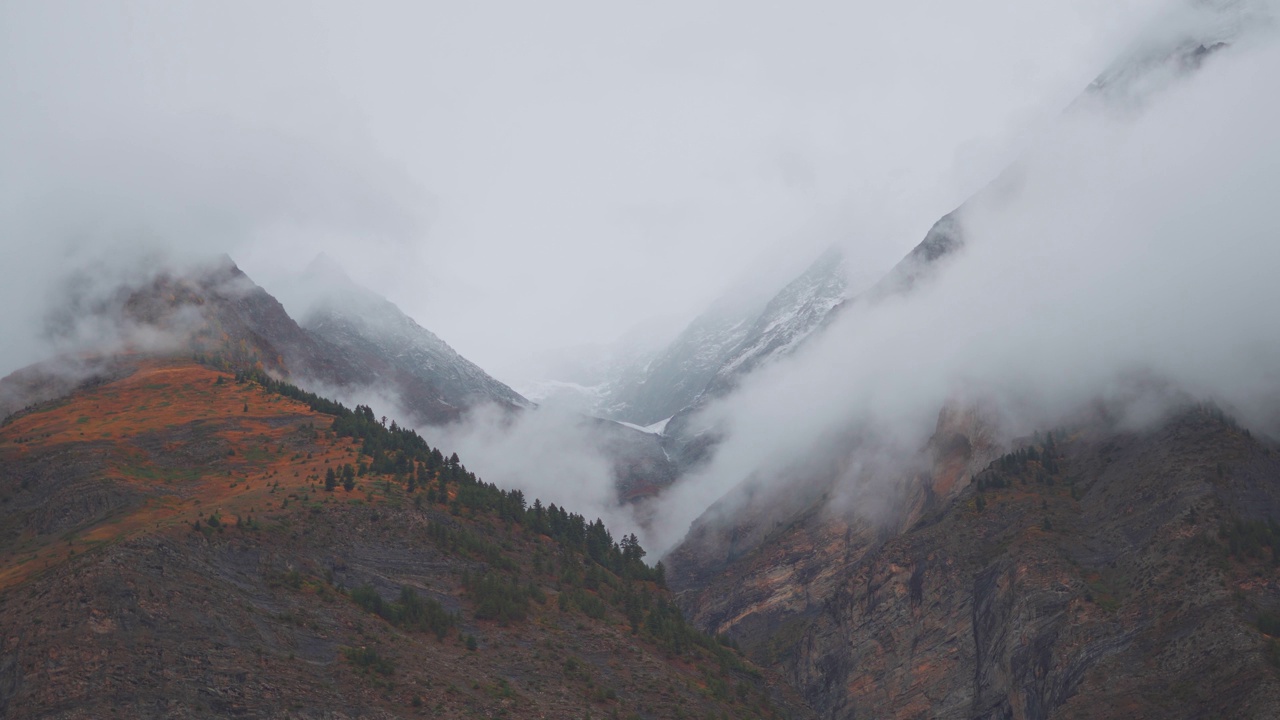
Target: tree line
column 404, row 455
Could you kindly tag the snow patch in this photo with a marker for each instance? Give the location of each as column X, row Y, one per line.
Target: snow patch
column 655, row 429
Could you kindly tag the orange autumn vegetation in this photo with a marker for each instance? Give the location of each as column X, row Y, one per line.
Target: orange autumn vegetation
column 274, row 447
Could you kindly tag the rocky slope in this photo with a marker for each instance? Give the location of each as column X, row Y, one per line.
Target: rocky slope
column 172, row 548
column 1102, row 573
column 216, row 308
column 719, row 349
column 434, row 382
column 213, row 309
column 734, row 336
column 435, row 385
column 661, row 386
column 790, row 316
column 353, row 342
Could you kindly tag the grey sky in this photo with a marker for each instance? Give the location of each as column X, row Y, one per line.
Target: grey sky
column 517, row 176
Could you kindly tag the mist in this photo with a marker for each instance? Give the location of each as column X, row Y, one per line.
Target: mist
column 548, row 454
column 513, row 177
column 537, row 185
column 1134, row 240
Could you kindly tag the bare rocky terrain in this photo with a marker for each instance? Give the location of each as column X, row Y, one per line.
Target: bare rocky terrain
column 1106, row 573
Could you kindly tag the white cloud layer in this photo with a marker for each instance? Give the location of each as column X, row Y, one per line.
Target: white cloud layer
column 1138, row 241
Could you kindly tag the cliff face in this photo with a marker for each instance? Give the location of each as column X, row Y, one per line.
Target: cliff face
column 1116, row 574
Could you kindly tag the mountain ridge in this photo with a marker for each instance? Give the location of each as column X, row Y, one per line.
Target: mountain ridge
column 177, row 546
column 436, row 383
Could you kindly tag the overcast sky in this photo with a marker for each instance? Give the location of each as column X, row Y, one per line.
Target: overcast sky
column 517, row 176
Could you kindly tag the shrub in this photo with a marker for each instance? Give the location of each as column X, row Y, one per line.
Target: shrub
column 368, row 659
column 1269, row 624
column 410, row 611
column 497, row 598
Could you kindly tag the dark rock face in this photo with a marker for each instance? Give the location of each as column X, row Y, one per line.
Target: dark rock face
column 1104, row 589
column 59, row 490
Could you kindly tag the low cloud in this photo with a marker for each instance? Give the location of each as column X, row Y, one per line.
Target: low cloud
column 548, row 454
column 1130, row 242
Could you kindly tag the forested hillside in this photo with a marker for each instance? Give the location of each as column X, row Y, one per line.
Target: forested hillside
column 187, row 542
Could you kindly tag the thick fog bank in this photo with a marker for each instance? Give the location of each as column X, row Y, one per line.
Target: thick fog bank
column 1134, row 240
